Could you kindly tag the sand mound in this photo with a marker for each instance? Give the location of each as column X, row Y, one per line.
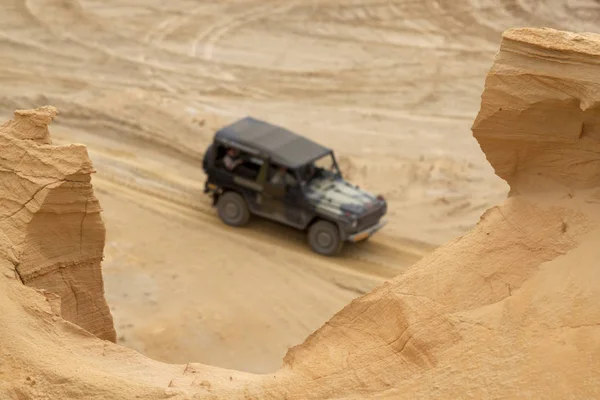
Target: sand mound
column 510, row 310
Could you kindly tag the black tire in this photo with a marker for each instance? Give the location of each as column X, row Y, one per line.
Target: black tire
column 324, row 238
column 233, row 209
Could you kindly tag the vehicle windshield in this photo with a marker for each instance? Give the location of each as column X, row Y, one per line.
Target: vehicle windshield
column 324, row 167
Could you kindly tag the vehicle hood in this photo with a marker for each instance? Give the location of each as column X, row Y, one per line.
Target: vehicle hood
column 339, row 196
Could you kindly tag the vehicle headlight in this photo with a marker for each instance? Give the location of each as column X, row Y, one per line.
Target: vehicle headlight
column 353, row 219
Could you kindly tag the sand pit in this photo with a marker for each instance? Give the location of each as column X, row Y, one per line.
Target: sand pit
column 393, row 87
column 508, row 310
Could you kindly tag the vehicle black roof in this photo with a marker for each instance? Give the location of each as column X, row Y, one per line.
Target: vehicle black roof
column 283, row 146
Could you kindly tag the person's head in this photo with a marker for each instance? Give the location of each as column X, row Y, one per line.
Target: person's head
column 232, row 152
column 282, row 170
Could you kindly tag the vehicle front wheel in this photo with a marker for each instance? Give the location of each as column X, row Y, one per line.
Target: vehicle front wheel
column 324, row 238
column 233, row 209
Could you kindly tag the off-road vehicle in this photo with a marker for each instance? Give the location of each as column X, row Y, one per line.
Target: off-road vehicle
column 311, row 193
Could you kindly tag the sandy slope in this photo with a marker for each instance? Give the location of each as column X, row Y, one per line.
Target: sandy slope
column 508, row 310
column 392, row 86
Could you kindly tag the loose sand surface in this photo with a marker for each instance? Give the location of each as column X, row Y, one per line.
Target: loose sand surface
column 393, row 87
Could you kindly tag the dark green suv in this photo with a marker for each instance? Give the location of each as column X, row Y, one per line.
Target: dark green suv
column 256, row 168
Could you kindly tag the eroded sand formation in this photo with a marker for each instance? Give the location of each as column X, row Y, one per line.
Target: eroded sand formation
column 508, row 310
column 54, row 235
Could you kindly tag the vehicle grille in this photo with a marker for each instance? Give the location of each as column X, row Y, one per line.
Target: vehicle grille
column 370, row 219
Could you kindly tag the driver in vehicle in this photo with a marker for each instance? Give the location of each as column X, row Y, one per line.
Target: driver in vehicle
column 309, row 173
column 232, row 159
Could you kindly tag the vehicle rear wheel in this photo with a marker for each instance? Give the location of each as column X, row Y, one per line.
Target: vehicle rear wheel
column 324, row 238
column 233, row 209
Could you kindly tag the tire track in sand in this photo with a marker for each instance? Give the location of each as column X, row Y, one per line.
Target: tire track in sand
column 215, row 32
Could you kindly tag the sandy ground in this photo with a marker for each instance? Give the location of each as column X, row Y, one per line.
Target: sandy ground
column 393, row 87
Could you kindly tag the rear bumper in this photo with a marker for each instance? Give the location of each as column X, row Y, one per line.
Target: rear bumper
column 210, row 187
column 212, row 190
column 366, row 233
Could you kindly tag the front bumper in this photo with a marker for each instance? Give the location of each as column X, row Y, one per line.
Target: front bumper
column 366, row 233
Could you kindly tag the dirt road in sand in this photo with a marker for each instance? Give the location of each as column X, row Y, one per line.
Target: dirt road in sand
column 393, row 87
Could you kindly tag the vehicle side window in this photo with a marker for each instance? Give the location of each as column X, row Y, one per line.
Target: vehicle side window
column 280, row 175
column 238, row 163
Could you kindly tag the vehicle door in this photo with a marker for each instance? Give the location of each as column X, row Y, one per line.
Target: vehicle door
column 244, row 179
column 281, row 201
column 251, row 180
column 296, row 203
